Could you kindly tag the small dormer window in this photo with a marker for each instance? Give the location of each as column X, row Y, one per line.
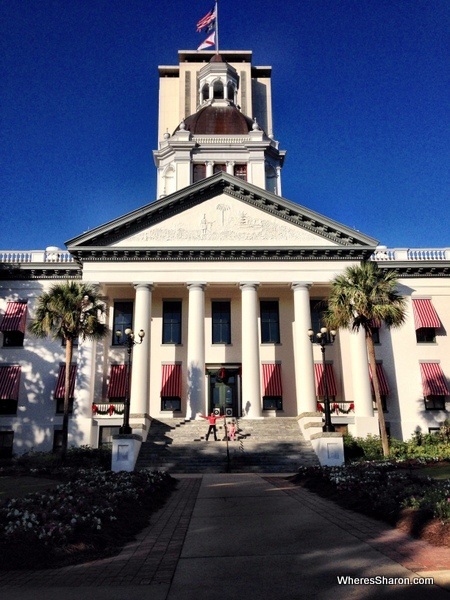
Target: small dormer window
column 205, row 92
column 218, row 90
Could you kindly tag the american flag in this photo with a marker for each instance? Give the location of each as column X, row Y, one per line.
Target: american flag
column 207, row 19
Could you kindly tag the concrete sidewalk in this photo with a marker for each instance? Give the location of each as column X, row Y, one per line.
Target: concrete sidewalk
column 240, row 536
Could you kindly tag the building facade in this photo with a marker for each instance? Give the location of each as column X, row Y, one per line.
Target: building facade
column 225, row 277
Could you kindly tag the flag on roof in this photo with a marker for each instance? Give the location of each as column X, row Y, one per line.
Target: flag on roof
column 207, row 20
column 209, row 42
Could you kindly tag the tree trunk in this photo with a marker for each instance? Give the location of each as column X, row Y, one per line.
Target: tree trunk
column 65, row 423
column 376, row 387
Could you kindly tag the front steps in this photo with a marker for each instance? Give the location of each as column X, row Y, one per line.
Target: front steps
column 273, row 445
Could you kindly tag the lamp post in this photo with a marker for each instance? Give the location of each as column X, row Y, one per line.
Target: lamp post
column 322, row 340
column 129, row 343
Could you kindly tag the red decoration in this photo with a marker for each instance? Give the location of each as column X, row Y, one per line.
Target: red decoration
column 111, row 410
column 94, row 408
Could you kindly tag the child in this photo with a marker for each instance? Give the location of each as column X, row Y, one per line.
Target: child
column 232, row 431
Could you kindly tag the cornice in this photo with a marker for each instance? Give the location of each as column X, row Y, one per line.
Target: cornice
column 415, row 270
column 26, row 271
column 120, row 254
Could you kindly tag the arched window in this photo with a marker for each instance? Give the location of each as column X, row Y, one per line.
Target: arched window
column 218, row 90
column 230, row 92
column 205, row 92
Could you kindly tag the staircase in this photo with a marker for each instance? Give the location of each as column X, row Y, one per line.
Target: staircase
column 262, row 446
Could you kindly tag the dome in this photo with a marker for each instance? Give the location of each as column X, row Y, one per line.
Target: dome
column 218, row 120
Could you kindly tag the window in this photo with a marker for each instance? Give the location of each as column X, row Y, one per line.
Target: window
column 9, row 389
column 270, row 322
column 230, row 92
column 426, row 335
column 205, row 92
column 317, row 309
column 426, row 320
column 123, row 319
column 219, row 167
column 6, row 444
column 171, row 387
column 218, row 90
column 61, row 386
column 13, row 324
column 171, row 322
column 383, row 402
column 435, row 402
column 60, row 406
column 199, row 172
column 57, row 440
column 105, row 437
column 13, row 339
column 221, row 322
column 171, row 403
column 240, row 171
column 375, row 334
column 272, row 403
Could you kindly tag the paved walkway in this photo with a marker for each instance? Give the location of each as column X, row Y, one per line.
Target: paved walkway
column 247, row 536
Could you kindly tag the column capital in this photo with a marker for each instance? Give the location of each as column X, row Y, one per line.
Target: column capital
column 143, row 284
column 253, row 285
column 295, row 285
column 196, row 285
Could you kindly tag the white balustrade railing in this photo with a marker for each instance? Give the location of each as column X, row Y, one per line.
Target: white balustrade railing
column 35, row 256
column 383, row 254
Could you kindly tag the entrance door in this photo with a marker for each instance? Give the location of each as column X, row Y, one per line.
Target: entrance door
column 223, row 391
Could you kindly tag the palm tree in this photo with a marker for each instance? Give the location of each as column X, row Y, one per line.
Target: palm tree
column 66, row 312
column 361, row 296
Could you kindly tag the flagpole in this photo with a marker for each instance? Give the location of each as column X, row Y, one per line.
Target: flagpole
column 217, row 27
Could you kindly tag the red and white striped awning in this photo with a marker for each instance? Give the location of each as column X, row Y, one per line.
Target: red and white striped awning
column 382, row 381
column 60, row 384
column 117, row 387
column 9, row 382
column 272, row 379
column 331, row 382
column 171, row 380
column 433, row 380
column 15, row 317
column 425, row 314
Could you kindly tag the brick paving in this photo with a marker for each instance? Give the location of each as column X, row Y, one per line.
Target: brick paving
column 411, row 553
column 150, row 559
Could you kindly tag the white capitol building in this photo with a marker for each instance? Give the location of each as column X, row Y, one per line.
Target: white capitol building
column 225, row 277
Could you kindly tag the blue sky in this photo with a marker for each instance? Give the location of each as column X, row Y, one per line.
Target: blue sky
column 360, row 93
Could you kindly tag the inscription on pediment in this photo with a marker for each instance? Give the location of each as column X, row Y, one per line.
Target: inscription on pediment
column 225, row 221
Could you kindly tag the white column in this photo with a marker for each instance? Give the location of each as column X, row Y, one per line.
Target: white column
column 365, row 422
column 209, row 168
column 278, row 170
column 251, row 377
column 196, row 350
column 80, row 424
column 140, row 370
column 230, row 167
column 303, row 351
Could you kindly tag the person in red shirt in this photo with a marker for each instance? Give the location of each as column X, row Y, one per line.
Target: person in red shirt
column 212, row 418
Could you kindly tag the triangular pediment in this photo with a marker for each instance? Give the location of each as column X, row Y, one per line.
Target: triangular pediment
column 221, row 212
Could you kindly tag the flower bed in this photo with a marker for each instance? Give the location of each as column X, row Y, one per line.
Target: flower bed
column 93, row 513
column 394, row 492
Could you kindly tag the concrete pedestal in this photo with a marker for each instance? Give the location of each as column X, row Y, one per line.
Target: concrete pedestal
column 125, row 451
